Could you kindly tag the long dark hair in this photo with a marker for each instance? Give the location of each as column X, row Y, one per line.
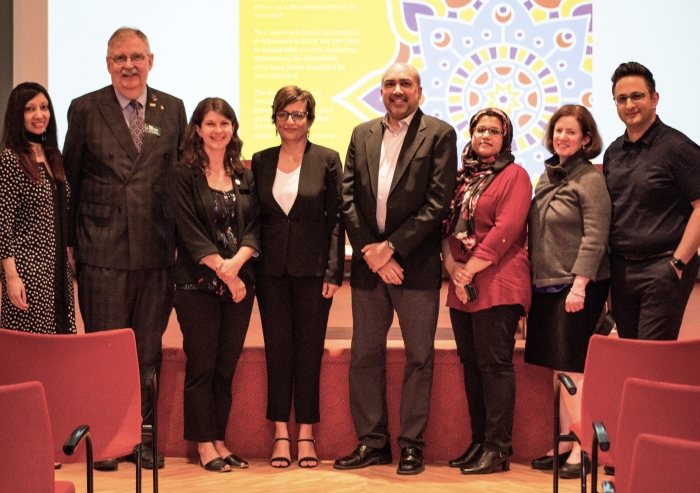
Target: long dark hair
column 15, row 139
column 193, row 153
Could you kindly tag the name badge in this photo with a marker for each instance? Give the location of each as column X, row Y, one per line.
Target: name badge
column 150, row 129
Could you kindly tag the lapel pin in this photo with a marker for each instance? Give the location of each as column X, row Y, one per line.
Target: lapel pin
column 238, row 182
column 152, row 104
column 162, row 107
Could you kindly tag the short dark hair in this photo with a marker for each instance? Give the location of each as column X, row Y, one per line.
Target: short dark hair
column 588, row 127
column 634, row 69
column 15, row 139
column 193, row 153
column 292, row 94
column 123, row 32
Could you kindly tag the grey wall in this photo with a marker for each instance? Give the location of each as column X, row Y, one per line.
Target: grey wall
column 6, row 33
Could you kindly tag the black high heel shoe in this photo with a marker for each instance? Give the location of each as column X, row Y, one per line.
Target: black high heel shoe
column 573, row 471
column 546, row 462
column 309, row 461
column 285, row 462
column 469, row 456
column 488, row 462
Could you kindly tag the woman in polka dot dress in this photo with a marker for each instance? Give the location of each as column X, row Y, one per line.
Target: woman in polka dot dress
column 36, row 276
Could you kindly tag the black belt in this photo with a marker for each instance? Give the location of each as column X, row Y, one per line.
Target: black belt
column 649, row 257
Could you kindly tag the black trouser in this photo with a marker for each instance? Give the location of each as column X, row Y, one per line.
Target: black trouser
column 138, row 299
column 485, row 342
column 294, row 317
column 213, row 335
column 648, row 300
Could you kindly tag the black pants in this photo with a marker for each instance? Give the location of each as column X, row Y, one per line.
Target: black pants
column 294, row 318
column 485, row 342
column 648, row 300
column 139, row 299
column 213, row 335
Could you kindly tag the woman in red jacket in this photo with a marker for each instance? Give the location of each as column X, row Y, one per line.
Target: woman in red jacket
column 484, row 253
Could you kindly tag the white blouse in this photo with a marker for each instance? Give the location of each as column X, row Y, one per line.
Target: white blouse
column 285, row 188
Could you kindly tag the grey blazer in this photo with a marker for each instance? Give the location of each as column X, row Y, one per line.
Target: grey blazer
column 569, row 224
column 120, row 215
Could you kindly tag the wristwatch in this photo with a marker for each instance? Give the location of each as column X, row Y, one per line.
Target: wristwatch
column 390, row 245
column 677, row 263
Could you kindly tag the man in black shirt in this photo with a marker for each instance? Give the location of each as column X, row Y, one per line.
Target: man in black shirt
column 653, row 177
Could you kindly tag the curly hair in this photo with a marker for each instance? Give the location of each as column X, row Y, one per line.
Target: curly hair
column 193, row 153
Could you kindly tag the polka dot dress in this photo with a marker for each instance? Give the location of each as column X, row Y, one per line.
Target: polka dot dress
column 27, row 235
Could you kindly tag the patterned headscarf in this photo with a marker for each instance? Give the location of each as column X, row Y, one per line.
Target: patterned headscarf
column 475, row 175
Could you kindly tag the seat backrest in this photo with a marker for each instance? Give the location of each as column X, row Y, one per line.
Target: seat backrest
column 658, row 408
column 661, row 464
column 26, row 445
column 610, row 361
column 89, row 379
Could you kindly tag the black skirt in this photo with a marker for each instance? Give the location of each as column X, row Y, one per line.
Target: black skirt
column 557, row 339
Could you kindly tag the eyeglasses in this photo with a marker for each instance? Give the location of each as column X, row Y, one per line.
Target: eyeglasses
column 135, row 59
column 297, row 116
column 483, row 131
column 635, row 97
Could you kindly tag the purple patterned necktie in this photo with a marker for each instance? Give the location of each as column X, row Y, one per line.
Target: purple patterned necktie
column 136, row 124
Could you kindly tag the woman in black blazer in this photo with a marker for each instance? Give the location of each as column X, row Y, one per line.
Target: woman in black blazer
column 300, row 268
column 218, row 231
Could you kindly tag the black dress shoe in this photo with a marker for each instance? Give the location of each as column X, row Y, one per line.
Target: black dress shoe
column 573, row 471
column 215, row 465
column 146, row 457
column 546, row 462
column 106, row 465
column 471, row 454
column 235, row 462
column 609, row 470
column 488, row 462
column 411, row 461
column 364, row 456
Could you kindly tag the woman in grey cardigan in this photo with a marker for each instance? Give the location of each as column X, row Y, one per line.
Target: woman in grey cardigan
column 568, row 235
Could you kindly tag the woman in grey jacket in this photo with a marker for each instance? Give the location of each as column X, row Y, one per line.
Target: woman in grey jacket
column 568, row 224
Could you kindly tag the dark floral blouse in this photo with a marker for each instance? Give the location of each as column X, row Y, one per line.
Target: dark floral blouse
column 226, row 241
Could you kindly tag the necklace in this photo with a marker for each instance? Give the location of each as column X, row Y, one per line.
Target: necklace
column 292, row 157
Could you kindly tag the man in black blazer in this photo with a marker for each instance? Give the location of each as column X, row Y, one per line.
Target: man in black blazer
column 399, row 180
column 120, row 149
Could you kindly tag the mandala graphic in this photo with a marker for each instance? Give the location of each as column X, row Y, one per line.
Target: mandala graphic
column 527, row 58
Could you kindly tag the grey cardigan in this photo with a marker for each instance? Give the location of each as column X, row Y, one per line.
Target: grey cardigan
column 569, row 223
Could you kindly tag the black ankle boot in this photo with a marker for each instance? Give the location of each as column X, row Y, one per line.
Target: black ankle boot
column 469, row 456
column 488, row 462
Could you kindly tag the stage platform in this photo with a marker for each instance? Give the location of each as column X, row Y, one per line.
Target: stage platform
column 250, row 435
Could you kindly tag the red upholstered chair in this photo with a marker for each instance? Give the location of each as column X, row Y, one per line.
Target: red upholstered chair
column 26, row 444
column 661, row 464
column 611, row 361
column 89, row 379
column 657, row 408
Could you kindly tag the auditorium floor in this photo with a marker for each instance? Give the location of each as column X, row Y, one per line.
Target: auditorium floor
column 179, row 476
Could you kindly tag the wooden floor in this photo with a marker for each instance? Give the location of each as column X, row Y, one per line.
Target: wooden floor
column 179, row 476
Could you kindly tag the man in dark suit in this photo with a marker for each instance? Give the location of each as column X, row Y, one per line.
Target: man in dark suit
column 120, row 149
column 399, row 180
